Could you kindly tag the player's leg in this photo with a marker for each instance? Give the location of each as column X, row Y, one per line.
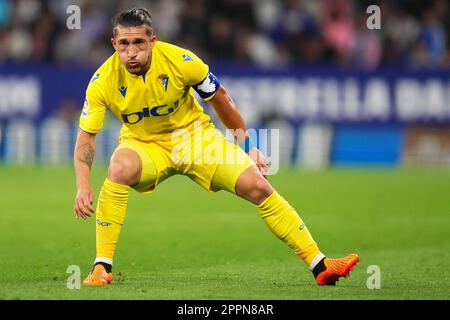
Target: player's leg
column 243, row 178
column 283, row 220
column 124, row 171
column 130, row 166
column 279, row 215
column 235, row 171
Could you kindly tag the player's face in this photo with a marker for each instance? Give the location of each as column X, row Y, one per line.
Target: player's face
column 134, row 46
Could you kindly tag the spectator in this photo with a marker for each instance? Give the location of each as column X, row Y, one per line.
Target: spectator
column 264, row 33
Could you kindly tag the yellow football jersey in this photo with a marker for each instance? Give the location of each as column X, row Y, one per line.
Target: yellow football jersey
column 152, row 105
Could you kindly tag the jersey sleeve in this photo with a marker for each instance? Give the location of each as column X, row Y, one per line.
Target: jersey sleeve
column 94, row 109
column 199, row 77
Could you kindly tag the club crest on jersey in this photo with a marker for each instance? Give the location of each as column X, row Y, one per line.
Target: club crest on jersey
column 163, row 80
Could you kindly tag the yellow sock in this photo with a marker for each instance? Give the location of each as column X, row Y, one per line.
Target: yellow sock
column 110, row 216
column 285, row 223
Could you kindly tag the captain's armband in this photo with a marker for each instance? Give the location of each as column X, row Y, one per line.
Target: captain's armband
column 208, row 87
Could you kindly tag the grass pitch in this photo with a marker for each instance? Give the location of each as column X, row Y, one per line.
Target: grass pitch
column 184, row 243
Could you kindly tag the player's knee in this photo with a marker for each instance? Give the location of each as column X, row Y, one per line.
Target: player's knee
column 260, row 190
column 122, row 173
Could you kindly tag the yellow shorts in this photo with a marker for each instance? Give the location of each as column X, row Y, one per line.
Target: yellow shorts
column 200, row 152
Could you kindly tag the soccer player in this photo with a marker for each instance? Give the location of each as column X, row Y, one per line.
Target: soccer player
column 148, row 84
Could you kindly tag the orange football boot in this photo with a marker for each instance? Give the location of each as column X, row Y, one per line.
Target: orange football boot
column 98, row 277
column 336, row 268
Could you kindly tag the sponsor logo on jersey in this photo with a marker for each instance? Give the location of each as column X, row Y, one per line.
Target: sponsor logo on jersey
column 147, row 112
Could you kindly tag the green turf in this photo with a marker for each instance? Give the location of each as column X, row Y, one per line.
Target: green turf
column 184, row 243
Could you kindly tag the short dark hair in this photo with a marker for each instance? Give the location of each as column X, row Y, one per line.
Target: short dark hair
column 133, row 18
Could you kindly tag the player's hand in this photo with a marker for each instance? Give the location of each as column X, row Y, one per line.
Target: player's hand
column 260, row 160
column 83, row 202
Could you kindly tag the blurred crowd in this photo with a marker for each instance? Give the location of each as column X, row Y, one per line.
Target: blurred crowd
column 266, row 33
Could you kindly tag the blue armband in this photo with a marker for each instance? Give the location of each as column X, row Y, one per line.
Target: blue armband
column 208, row 87
column 247, row 144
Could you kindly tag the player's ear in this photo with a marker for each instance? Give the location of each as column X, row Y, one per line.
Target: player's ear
column 153, row 40
column 114, row 43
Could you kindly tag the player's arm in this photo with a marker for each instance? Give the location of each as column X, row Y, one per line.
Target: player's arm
column 232, row 119
column 91, row 122
column 83, row 158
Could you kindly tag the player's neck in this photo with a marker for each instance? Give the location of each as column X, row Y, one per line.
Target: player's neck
column 146, row 67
